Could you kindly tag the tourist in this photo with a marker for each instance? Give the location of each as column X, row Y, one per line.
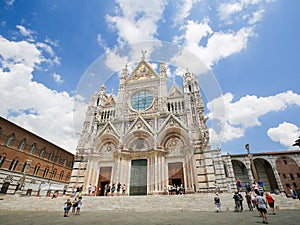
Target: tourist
column 248, row 187
column 241, row 202
column 236, row 201
column 74, row 205
column 79, row 205
column 119, row 188
column 238, row 184
column 113, row 188
column 217, row 202
column 67, row 207
column 123, row 189
column 293, row 193
column 262, row 207
column 108, row 190
column 105, row 189
column 249, row 201
column 89, row 189
column 270, row 201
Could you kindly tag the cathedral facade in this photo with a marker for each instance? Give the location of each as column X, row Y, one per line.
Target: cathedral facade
column 148, row 137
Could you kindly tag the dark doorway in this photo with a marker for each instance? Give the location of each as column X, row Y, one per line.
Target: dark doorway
column 4, row 187
column 138, row 177
column 102, row 186
column 104, row 178
column 176, row 182
column 175, row 172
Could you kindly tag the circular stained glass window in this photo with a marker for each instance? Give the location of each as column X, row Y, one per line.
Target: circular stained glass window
column 141, row 100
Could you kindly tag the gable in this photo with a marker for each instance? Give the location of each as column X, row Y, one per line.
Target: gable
column 142, row 72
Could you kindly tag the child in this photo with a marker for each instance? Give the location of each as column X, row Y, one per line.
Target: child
column 79, row 205
column 74, row 205
column 67, row 207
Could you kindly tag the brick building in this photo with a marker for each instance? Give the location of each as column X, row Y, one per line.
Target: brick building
column 30, row 164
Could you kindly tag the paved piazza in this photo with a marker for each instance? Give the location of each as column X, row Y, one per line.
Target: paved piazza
column 165, row 218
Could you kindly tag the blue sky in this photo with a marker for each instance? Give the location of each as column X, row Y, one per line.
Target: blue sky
column 251, row 48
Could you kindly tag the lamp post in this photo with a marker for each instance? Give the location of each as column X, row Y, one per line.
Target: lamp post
column 253, row 169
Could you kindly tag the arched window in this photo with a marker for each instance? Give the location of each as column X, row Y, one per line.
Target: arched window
column 57, row 159
column 61, row 175
column 36, row 169
column 53, row 174
column 10, row 139
column 65, row 162
column 51, row 156
column 68, row 177
column 13, row 164
column 33, row 148
column 22, row 144
column 42, row 152
column 24, row 168
column 46, row 172
column 2, row 160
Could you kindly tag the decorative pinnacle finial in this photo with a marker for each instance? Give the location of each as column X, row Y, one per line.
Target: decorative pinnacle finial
column 143, row 54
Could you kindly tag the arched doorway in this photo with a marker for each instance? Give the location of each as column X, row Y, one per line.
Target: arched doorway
column 266, row 174
column 240, row 172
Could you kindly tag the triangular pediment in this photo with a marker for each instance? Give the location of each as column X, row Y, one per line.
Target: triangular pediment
column 175, row 91
column 109, row 129
column 172, row 122
column 142, row 72
column 140, row 125
column 110, row 102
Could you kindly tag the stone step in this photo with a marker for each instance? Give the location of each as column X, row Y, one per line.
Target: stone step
column 167, row 203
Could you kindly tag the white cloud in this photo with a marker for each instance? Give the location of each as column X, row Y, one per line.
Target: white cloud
column 57, row 78
column 227, row 10
column 114, row 61
column 184, row 8
column 256, row 16
column 26, row 32
column 219, row 45
column 50, row 115
column 138, row 21
column 245, row 113
column 286, row 134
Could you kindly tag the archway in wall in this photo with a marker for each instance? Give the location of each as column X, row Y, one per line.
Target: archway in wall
column 240, row 172
column 266, row 174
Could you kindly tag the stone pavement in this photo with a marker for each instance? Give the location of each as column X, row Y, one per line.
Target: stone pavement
column 283, row 217
column 156, row 209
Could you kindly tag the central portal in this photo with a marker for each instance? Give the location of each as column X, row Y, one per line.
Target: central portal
column 138, row 178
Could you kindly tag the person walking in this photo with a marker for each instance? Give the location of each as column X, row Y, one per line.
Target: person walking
column 249, row 201
column 217, row 202
column 270, row 201
column 236, row 201
column 241, row 202
column 262, row 207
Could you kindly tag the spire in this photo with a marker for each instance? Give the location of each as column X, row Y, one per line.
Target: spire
column 163, row 68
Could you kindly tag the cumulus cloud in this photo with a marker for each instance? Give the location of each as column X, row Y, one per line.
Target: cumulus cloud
column 137, row 20
column 30, row 104
column 246, row 112
column 285, row 133
column 219, row 45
